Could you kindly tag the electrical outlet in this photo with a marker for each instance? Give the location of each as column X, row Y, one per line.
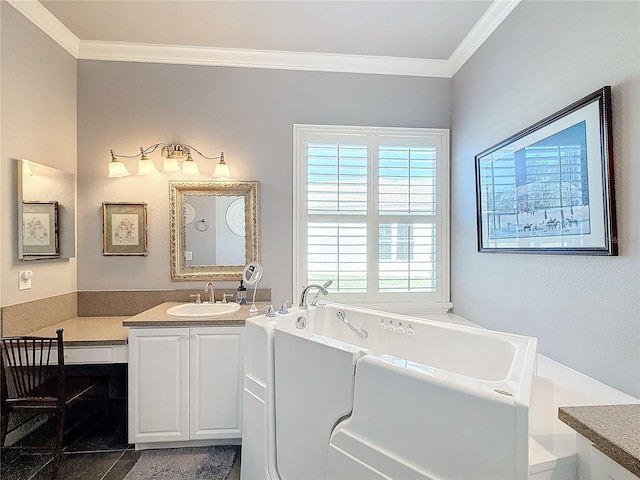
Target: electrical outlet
column 24, row 279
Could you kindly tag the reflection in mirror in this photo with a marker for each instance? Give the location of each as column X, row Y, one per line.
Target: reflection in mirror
column 46, row 212
column 210, row 237
column 215, row 229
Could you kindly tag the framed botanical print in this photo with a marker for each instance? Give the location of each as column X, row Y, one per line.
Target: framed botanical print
column 39, row 235
column 124, row 228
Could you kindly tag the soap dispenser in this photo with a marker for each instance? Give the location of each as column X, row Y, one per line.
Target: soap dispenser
column 241, row 294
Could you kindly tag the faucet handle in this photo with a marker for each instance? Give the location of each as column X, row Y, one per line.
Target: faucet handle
column 225, row 295
column 271, row 313
column 197, row 297
column 283, row 309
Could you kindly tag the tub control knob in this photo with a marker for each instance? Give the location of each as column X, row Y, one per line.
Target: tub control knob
column 411, row 333
column 301, row 322
column 400, row 331
column 382, row 327
column 391, row 329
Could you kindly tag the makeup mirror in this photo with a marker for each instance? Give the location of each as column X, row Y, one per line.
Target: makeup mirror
column 251, row 275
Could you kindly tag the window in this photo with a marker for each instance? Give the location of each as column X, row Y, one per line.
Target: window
column 371, row 213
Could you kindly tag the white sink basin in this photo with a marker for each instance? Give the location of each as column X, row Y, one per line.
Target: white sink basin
column 202, row 310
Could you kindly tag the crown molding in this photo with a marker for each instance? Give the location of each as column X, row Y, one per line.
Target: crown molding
column 48, row 23
column 272, row 59
column 490, row 20
column 281, row 60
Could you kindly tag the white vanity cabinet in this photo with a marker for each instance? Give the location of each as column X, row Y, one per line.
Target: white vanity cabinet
column 185, row 385
column 595, row 465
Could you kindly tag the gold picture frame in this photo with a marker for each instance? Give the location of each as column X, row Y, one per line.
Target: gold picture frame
column 124, row 229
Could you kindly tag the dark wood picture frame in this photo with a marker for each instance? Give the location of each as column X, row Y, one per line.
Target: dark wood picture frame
column 549, row 189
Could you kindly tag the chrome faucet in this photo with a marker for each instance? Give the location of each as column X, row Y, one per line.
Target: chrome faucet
column 304, row 301
column 212, row 292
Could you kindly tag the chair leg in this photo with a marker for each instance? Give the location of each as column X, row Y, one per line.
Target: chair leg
column 57, row 457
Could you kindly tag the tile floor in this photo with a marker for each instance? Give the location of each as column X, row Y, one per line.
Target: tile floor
column 92, row 450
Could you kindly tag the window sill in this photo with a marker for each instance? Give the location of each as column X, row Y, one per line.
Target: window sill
column 418, row 309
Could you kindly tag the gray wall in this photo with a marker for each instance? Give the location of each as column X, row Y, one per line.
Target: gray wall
column 248, row 114
column 38, row 101
column 584, row 310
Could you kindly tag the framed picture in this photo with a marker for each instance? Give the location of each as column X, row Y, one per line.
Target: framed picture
column 549, row 188
column 39, row 236
column 124, row 228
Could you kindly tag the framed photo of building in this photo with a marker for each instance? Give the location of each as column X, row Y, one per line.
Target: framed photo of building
column 39, row 233
column 549, row 188
column 124, row 228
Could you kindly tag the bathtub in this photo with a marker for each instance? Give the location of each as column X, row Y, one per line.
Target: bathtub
column 409, row 399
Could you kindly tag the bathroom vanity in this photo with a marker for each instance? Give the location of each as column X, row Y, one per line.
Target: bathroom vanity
column 185, row 379
column 608, row 440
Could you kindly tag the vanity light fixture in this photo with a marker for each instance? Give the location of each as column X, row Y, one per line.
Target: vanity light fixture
column 172, row 154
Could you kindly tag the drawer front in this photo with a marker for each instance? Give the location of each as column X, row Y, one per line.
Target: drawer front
column 91, row 355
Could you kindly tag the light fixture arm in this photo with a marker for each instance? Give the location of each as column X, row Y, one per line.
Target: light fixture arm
column 221, row 157
column 167, row 149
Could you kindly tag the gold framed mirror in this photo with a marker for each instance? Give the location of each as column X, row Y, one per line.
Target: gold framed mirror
column 215, row 229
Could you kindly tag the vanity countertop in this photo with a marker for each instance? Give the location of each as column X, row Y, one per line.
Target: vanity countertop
column 158, row 317
column 613, row 429
column 88, row 331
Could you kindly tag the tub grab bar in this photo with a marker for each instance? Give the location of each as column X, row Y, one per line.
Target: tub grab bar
column 361, row 332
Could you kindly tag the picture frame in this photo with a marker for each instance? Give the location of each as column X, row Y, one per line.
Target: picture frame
column 39, row 236
column 124, row 229
column 549, row 189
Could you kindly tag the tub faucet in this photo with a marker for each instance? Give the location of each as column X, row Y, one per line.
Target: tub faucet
column 212, row 292
column 304, row 301
column 271, row 313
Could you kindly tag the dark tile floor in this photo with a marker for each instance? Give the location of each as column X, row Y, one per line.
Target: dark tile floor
column 93, row 450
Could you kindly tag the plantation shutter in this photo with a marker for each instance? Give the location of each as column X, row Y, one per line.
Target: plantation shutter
column 371, row 213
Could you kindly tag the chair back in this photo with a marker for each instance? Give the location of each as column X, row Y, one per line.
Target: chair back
column 27, row 363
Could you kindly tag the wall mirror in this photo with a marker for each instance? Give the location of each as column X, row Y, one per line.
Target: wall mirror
column 46, row 212
column 215, row 229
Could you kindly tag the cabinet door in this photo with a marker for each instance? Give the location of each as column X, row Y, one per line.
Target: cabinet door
column 602, row 467
column 158, row 384
column 216, row 369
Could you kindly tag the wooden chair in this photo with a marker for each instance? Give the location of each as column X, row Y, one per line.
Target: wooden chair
column 30, row 381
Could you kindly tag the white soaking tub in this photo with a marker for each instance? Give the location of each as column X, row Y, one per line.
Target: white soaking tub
column 411, row 398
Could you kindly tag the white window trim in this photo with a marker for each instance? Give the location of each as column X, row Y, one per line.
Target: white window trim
column 443, row 303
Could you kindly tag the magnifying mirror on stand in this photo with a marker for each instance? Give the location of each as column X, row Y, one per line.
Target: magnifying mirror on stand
column 251, row 275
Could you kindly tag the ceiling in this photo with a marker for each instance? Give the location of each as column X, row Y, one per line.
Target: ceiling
column 421, row 37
